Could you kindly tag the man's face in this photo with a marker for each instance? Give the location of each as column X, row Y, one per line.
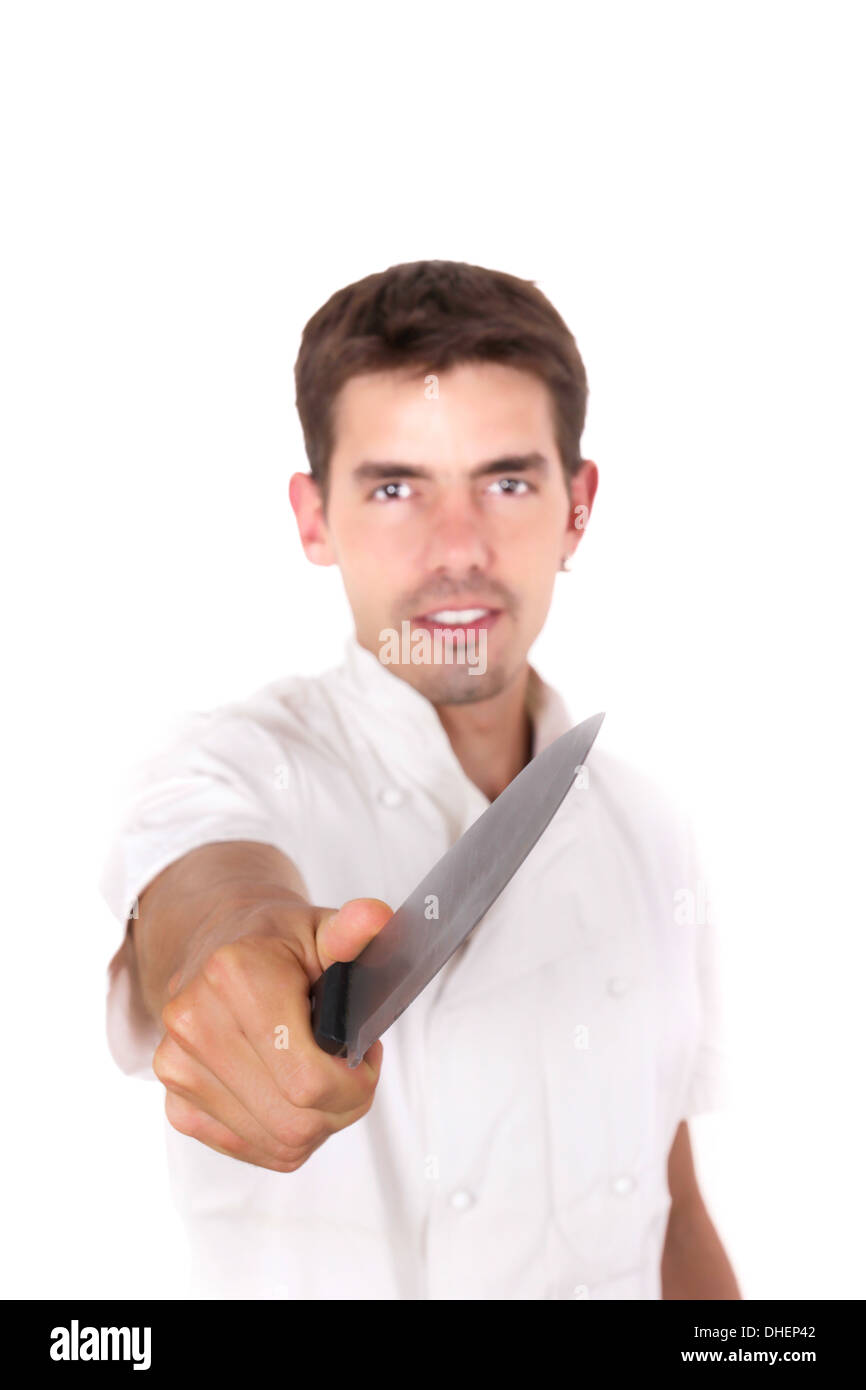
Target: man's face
column 448, row 510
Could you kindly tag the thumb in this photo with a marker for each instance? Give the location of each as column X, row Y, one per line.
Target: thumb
column 342, row 935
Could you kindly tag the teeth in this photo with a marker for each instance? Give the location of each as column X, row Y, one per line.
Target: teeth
column 457, row 617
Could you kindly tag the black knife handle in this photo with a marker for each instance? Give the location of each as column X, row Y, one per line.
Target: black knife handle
column 329, row 997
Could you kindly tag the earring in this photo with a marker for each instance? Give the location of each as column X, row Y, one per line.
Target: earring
column 566, row 563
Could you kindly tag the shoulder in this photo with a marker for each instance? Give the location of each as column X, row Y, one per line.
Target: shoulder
column 645, row 812
column 286, row 722
column 628, row 787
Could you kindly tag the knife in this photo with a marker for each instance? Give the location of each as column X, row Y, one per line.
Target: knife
column 355, row 1002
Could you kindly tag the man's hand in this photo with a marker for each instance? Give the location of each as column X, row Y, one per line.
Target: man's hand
column 694, row 1263
column 241, row 1068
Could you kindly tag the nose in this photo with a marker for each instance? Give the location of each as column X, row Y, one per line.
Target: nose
column 455, row 535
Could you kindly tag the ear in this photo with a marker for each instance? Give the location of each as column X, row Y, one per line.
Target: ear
column 582, row 490
column 305, row 495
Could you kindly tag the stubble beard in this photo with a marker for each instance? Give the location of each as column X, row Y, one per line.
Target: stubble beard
column 458, row 685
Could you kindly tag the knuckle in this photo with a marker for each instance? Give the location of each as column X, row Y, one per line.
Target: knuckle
column 186, row 1119
column 363, row 1103
column 367, row 1089
column 367, row 1104
column 362, row 1099
column 170, row 1012
column 178, row 1018
column 229, row 965
column 160, row 1060
column 234, row 1144
column 299, row 1131
column 304, row 1086
column 290, row 1165
column 284, row 1151
column 169, row 1066
column 351, row 1117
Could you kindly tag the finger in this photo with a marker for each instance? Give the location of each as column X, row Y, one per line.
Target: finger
column 343, row 934
column 187, row 1118
column 186, row 1078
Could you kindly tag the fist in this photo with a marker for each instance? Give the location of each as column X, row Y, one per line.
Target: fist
column 242, row 1071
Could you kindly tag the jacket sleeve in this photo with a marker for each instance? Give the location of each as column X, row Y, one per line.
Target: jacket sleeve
column 710, row 1085
column 213, row 781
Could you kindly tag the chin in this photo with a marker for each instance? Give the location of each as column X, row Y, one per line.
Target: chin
column 457, row 685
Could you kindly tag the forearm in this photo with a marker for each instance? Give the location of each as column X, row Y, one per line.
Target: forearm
column 694, row 1263
column 199, row 901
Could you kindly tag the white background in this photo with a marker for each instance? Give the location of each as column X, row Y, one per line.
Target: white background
column 184, row 184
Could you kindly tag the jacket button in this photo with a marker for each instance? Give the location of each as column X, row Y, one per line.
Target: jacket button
column 622, row 1185
column 617, row 985
column 461, row 1200
column 392, row 796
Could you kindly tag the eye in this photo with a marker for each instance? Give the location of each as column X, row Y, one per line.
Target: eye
column 383, row 492
column 513, row 487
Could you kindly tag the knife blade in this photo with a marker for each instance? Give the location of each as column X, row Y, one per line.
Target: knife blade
column 355, row 1002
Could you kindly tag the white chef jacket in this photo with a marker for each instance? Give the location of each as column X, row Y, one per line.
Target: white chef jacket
column 517, row 1144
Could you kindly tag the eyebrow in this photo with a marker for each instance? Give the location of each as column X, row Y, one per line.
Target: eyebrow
column 508, row 463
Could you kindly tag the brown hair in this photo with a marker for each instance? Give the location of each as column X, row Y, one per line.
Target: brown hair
column 434, row 315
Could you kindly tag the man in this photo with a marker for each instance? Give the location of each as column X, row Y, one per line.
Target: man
column 522, row 1131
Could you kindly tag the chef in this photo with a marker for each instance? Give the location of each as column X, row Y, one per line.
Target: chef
column 521, row 1131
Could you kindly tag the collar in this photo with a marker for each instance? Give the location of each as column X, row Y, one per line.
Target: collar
column 410, row 733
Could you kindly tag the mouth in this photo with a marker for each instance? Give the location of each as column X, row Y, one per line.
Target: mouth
column 465, row 619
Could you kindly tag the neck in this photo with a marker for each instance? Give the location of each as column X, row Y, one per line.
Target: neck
column 492, row 739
